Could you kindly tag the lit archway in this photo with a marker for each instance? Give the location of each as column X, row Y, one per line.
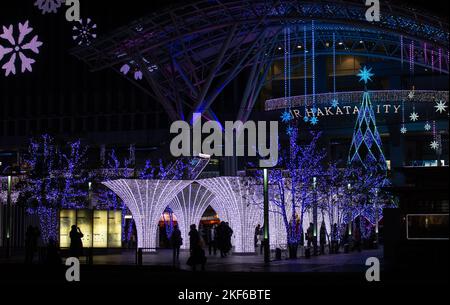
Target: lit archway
column 146, row 200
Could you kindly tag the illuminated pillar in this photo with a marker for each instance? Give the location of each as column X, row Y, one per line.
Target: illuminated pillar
column 244, row 216
column 146, row 200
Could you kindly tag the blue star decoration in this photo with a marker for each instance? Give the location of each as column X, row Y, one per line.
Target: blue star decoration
column 314, row 120
column 286, row 116
column 334, row 103
column 365, row 75
column 290, row 130
column 314, row 110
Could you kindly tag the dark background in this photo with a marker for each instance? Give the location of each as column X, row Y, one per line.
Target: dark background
column 57, row 73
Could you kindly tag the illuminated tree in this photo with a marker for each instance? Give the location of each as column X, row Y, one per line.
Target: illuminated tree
column 292, row 191
column 55, row 181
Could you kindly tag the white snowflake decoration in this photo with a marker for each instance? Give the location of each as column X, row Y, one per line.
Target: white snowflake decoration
column 403, row 130
column 414, row 116
column 20, row 47
column 427, row 126
column 441, row 106
column 49, row 6
column 84, row 31
column 137, row 73
column 434, row 145
column 411, row 94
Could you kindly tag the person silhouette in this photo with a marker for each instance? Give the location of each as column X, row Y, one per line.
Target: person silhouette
column 76, row 244
column 31, row 239
column 176, row 241
column 197, row 253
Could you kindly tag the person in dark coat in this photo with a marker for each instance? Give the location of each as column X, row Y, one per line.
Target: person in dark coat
column 357, row 236
column 211, row 240
column 322, row 237
column 224, row 233
column 197, row 253
column 258, row 232
column 76, row 244
column 228, row 235
column 335, row 239
column 53, row 257
column 176, row 241
column 310, row 234
column 31, row 240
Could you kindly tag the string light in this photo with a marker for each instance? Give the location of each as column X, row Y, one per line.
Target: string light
column 146, row 200
column 314, row 120
column 425, row 52
column 401, row 51
column 381, row 96
column 190, row 205
column 305, row 68
column 432, row 60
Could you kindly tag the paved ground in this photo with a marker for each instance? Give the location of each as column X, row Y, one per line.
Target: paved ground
column 351, row 262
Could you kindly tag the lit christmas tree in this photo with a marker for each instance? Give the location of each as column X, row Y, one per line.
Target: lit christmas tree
column 366, row 144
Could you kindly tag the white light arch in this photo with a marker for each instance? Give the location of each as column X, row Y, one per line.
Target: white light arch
column 189, row 205
column 147, row 200
column 231, row 193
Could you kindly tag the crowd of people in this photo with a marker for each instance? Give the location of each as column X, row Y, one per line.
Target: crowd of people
column 216, row 238
column 52, row 251
column 340, row 238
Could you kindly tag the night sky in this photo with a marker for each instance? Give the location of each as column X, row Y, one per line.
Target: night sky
column 56, row 70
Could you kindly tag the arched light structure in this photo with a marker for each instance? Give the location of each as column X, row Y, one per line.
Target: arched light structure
column 147, row 200
column 231, row 192
column 190, row 205
column 236, row 200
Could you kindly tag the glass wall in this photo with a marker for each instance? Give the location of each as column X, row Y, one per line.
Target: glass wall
column 101, row 229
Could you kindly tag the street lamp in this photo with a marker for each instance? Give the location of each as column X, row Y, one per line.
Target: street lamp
column 266, row 216
column 315, row 216
column 349, row 187
column 7, row 227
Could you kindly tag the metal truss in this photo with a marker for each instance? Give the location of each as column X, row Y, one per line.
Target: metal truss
column 200, row 48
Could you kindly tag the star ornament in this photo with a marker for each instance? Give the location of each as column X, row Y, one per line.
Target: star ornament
column 434, row 145
column 403, row 130
column 286, row 116
column 441, row 106
column 414, row 116
column 290, row 131
column 334, row 103
column 314, row 120
column 365, row 75
column 411, row 95
column 427, row 127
